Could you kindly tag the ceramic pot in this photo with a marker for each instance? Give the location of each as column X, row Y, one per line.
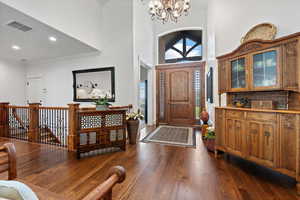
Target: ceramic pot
column 132, row 129
column 101, row 107
column 204, row 117
column 210, row 144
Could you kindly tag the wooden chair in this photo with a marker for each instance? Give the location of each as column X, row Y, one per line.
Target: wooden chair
column 8, row 162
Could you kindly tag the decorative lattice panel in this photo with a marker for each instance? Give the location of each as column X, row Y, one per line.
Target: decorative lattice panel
column 116, row 135
column 113, row 120
column 93, row 121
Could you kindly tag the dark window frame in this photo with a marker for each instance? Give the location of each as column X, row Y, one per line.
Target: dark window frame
column 185, row 52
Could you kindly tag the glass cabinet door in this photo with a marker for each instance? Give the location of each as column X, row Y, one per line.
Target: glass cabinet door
column 238, row 73
column 265, row 69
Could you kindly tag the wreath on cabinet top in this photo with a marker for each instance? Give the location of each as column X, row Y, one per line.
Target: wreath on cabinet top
column 264, row 31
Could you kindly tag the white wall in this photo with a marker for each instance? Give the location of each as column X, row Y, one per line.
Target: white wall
column 77, row 18
column 12, row 82
column 143, row 52
column 117, row 37
column 233, row 18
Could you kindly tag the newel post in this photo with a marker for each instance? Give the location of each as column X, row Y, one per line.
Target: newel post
column 33, row 122
column 73, row 126
column 4, row 119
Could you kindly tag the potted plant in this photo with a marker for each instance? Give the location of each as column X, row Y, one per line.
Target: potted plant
column 102, row 103
column 209, row 139
column 133, row 122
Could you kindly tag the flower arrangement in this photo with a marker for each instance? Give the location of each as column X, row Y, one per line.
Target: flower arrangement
column 135, row 115
column 102, row 101
column 210, row 133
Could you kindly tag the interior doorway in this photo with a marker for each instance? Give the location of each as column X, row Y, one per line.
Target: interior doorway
column 180, row 93
column 34, row 93
column 143, row 93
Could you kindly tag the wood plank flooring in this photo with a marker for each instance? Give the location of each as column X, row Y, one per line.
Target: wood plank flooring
column 153, row 172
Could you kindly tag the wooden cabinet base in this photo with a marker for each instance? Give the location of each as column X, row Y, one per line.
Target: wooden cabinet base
column 268, row 138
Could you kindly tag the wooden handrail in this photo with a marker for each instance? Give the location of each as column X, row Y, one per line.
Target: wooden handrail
column 104, row 191
column 10, row 164
column 23, row 107
column 53, row 108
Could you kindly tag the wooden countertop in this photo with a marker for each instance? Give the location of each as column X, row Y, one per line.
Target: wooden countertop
column 262, row 110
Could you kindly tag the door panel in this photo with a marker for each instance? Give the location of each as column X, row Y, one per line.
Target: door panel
column 34, row 91
column 261, row 142
column 179, row 86
column 267, row 143
column 234, row 136
column 180, row 96
column 220, row 128
column 288, row 143
column 253, row 135
column 239, row 133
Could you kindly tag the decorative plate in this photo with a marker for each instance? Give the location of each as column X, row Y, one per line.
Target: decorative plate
column 264, row 31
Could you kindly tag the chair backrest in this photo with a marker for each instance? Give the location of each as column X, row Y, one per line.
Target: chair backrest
column 8, row 160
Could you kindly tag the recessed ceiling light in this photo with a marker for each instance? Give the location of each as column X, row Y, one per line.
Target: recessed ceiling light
column 52, row 39
column 16, row 47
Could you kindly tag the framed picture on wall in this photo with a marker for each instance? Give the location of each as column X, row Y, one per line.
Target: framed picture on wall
column 90, row 84
column 209, row 86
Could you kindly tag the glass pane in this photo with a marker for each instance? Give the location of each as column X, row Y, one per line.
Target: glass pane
column 238, row 73
column 264, row 69
column 197, row 51
column 179, row 45
column 172, row 54
column 189, row 44
column 197, row 91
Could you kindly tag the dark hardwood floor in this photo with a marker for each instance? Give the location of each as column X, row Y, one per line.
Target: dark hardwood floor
column 153, row 172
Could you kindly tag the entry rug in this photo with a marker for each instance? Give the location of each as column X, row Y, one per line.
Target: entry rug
column 172, row 135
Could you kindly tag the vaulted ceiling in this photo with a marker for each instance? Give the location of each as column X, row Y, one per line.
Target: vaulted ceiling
column 34, row 44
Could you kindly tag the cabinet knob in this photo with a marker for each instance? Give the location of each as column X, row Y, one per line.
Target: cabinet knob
column 267, row 134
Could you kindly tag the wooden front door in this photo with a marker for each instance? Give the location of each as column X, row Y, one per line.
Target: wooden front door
column 176, row 94
column 180, row 96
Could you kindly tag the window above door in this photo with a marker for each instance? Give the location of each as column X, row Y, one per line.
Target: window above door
column 183, row 46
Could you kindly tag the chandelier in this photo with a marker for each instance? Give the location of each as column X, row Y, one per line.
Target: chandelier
column 166, row 10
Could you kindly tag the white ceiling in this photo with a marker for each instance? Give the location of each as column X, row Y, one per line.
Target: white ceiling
column 34, row 44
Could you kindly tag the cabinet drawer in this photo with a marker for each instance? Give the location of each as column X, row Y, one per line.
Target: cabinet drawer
column 234, row 114
column 261, row 116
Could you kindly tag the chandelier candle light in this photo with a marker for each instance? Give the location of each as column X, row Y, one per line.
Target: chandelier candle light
column 166, row 10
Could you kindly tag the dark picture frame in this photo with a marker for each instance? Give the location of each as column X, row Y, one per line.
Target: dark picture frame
column 93, row 82
column 209, row 86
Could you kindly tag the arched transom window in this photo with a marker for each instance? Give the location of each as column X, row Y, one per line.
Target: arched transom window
column 183, row 48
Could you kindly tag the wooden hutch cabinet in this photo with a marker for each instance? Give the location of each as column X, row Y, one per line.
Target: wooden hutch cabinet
column 262, row 71
column 261, row 65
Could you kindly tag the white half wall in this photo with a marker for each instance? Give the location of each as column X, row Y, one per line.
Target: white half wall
column 77, row 18
column 12, row 82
